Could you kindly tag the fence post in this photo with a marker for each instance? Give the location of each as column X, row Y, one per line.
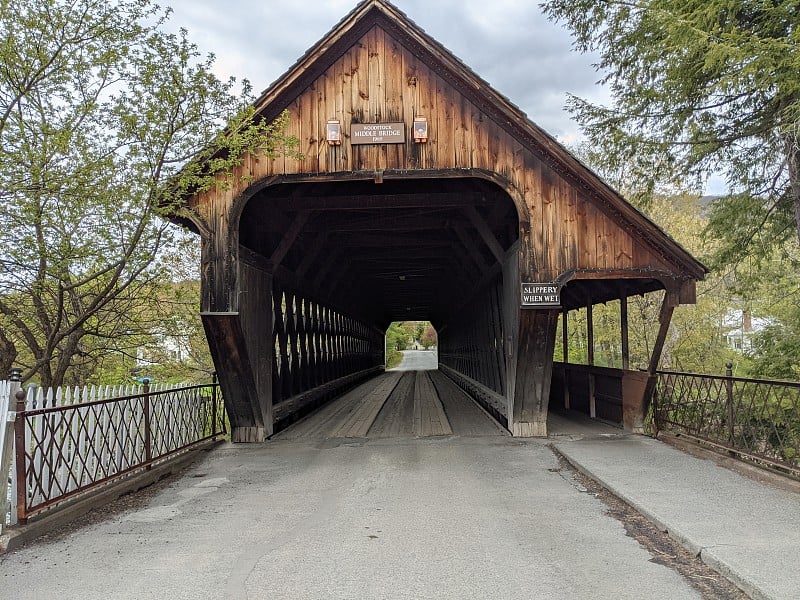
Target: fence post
column 148, row 450
column 729, row 390
column 19, row 446
column 7, row 420
column 214, row 404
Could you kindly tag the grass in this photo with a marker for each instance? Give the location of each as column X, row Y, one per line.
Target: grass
column 393, row 358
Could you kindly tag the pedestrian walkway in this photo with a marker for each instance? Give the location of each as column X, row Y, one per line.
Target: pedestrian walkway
column 747, row 530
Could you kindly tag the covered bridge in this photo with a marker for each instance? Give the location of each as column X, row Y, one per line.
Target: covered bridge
column 421, row 194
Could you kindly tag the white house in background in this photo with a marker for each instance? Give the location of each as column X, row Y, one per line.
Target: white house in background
column 166, row 347
column 740, row 326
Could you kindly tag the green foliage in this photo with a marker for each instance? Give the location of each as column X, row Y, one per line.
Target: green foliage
column 695, row 341
column 699, row 87
column 396, row 340
column 402, row 334
column 100, row 110
column 429, row 339
column 775, row 353
column 397, row 336
column 772, row 291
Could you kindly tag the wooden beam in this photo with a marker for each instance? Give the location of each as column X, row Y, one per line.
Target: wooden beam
column 590, row 356
column 502, row 205
column 486, row 233
column 273, row 220
column 380, row 221
column 311, row 255
column 228, row 347
column 664, row 319
column 375, row 240
column 537, row 335
column 373, row 201
column 324, row 267
column 471, row 248
column 565, row 354
column 399, row 257
column 623, row 319
column 289, row 237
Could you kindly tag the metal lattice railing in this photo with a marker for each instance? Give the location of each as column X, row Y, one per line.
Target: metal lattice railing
column 65, row 450
column 754, row 418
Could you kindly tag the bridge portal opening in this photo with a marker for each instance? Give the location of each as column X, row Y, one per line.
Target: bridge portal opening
column 347, row 258
column 383, row 249
column 412, row 345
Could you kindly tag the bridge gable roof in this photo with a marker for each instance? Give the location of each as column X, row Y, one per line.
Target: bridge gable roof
column 380, row 13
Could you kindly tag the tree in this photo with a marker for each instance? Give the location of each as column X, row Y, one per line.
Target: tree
column 100, row 114
column 773, row 291
column 699, row 87
column 429, row 337
column 397, row 339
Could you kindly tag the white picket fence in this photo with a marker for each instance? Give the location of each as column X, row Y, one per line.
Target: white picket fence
column 38, row 398
column 7, row 484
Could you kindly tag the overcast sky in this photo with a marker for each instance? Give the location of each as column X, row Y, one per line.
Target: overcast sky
column 513, row 46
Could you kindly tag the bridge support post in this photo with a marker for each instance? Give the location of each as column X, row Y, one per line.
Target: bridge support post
column 534, row 368
column 237, row 298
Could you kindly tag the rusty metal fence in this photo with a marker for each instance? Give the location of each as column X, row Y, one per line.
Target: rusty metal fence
column 65, row 450
column 752, row 418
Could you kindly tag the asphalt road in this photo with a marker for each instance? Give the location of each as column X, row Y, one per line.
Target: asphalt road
column 447, row 517
column 418, row 360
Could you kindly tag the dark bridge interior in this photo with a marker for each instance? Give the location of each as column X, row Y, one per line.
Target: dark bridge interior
column 392, row 250
column 326, row 265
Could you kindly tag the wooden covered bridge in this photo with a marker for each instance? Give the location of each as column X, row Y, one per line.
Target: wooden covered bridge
column 421, row 194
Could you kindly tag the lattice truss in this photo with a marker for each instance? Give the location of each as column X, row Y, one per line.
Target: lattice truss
column 756, row 417
column 473, row 343
column 315, row 344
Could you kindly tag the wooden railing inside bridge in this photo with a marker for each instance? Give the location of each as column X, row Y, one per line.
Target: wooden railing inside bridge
column 318, row 353
column 472, row 351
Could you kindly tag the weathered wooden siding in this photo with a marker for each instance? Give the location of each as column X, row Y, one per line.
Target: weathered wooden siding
column 255, row 310
column 378, row 80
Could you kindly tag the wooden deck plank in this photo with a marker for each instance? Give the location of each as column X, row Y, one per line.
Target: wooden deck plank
column 429, row 416
column 398, row 404
column 368, row 410
column 464, row 415
column 331, row 417
column 396, row 418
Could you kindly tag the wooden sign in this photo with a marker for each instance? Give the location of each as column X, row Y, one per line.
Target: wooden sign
column 377, row 133
column 541, row 295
